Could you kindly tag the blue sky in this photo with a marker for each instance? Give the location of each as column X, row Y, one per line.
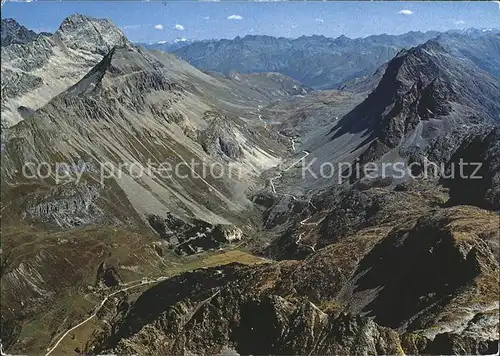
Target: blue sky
column 165, row 21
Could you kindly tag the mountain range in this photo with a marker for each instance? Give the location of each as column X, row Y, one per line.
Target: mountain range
column 168, row 46
column 104, row 253
column 317, row 61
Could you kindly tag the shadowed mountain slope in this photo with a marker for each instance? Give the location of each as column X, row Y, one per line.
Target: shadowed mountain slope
column 394, row 277
column 425, row 91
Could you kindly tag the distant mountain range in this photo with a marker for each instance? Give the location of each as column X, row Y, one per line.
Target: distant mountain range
column 168, row 46
column 316, row 61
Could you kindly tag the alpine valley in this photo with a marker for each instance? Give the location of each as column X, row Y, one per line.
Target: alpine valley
column 262, row 255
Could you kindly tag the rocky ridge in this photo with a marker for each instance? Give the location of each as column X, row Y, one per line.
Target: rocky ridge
column 423, row 90
column 36, row 71
column 14, row 33
column 313, row 306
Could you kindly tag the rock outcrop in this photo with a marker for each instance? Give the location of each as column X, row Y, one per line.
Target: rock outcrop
column 396, row 276
column 193, row 236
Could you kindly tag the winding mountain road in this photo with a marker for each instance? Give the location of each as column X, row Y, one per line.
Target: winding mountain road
column 280, row 175
column 142, row 283
column 303, row 222
column 271, row 180
column 299, row 243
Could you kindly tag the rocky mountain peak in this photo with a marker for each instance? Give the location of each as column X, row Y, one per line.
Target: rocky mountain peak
column 45, row 66
column 120, row 60
column 427, row 47
column 94, row 35
column 13, row 32
column 418, row 64
column 343, row 40
column 75, row 19
column 10, row 22
column 423, row 87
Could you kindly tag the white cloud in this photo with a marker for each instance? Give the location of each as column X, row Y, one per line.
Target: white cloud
column 319, row 20
column 405, row 12
column 206, row 17
column 132, row 27
column 136, row 27
column 179, row 27
column 460, row 22
column 235, row 17
column 180, row 40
